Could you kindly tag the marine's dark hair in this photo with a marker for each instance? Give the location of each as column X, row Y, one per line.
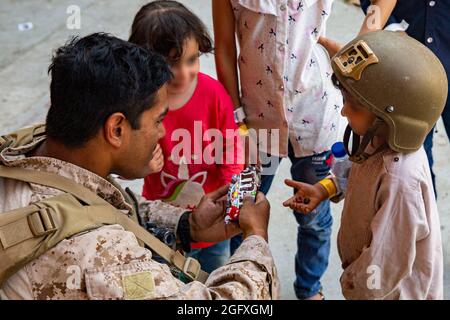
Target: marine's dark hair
column 164, row 26
column 96, row 76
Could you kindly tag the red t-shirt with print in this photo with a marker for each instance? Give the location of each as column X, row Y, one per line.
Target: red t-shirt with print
column 195, row 141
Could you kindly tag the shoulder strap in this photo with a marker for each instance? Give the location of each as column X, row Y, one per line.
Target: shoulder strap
column 21, row 137
column 100, row 212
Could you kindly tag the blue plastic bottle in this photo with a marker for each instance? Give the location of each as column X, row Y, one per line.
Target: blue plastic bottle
column 340, row 165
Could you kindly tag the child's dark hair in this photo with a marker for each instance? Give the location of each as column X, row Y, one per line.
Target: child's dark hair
column 164, row 26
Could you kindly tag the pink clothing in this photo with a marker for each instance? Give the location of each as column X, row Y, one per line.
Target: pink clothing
column 285, row 75
column 390, row 238
column 188, row 171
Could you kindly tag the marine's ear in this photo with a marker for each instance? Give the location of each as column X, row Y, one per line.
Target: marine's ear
column 114, row 129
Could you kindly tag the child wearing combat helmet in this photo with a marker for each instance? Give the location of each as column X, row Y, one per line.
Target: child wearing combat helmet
column 389, row 239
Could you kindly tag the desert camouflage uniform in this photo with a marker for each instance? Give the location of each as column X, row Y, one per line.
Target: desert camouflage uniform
column 108, row 263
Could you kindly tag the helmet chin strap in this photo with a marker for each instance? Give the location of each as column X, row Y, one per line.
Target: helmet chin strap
column 358, row 154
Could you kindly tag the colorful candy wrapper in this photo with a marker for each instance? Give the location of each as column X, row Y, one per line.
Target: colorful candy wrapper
column 244, row 184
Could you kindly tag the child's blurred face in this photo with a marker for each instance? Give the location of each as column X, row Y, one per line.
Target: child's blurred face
column 359, row 117
column 185, row 70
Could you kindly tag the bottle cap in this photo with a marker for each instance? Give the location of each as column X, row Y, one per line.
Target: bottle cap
column 338, row 150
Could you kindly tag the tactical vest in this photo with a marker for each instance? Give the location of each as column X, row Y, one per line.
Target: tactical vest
column 26, row 233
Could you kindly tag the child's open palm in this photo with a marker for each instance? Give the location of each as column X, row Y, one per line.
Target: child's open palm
column 306, row 198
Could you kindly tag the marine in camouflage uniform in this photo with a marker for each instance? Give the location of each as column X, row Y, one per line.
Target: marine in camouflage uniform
column 108, row 262
column 104, row 257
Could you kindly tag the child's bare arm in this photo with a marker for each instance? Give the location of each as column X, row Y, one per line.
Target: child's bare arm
column 226, row 64
column 225, row 47
column 377, row 15
column 332, row 46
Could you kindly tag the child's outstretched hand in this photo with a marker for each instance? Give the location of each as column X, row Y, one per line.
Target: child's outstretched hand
column 157, row 162
column 307, row 196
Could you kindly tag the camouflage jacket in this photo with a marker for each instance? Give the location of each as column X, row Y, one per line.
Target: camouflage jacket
column 108, row 263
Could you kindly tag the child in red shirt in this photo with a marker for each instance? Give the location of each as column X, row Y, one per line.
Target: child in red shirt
column 200, row 150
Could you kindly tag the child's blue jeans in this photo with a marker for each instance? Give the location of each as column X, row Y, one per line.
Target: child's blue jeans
column 213, row 257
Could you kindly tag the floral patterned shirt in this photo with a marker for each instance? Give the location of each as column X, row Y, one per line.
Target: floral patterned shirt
column 285, row 74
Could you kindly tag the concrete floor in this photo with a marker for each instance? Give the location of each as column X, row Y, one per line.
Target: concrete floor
column 24, row 98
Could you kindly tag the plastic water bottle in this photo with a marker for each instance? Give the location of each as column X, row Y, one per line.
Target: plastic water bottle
column 340, row 165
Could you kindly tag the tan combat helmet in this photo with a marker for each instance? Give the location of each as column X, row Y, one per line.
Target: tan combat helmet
column 398, row 79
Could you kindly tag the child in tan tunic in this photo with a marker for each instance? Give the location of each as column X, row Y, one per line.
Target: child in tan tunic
column 389, row 240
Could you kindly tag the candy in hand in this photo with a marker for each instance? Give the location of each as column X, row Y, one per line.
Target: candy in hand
column 242, row 185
